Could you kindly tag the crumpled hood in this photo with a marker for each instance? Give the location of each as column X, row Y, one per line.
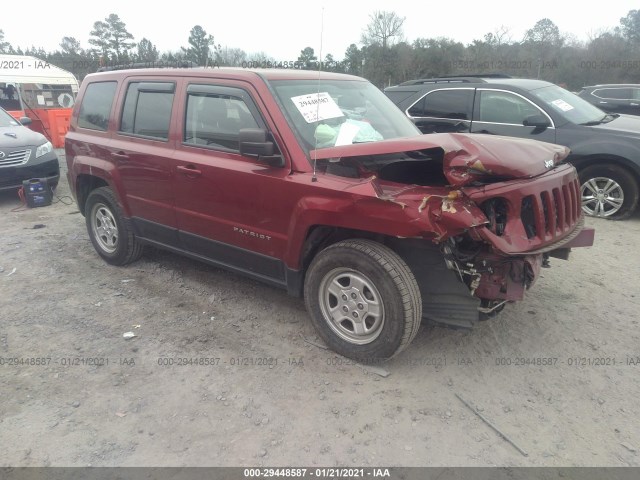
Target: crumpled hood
column 497, row 156
column 466, row 157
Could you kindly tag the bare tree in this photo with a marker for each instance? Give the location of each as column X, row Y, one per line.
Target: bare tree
column 231, row 57
column 259, row 58
column 502, row 35
column 594, row 34
column 384, row 29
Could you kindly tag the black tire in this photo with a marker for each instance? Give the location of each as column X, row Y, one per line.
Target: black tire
column 386, row 306
column 617, row 204
column 109, row 231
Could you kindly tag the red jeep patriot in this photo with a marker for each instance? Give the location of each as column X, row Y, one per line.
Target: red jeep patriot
column 319, row 184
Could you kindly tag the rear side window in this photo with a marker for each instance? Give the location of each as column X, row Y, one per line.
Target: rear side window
column 614, row 93
column 96, row 105
column 215, row 116
column 454, row 104
column 147, row 109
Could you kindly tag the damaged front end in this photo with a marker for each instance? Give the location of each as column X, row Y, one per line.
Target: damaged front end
column 496, row 211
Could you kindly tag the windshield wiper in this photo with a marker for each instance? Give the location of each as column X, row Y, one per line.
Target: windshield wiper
column 602, row 120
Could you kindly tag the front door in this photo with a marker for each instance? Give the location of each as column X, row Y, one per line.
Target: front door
column 231, row 208
column 499, row 112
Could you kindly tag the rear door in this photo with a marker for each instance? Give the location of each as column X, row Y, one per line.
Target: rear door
column 501, row 112
column 445, row 110
column 231, row 208
column 142, row 149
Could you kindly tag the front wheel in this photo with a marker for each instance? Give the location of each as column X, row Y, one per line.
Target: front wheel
column 109, row 230
column 608, row 191
column 363, row 300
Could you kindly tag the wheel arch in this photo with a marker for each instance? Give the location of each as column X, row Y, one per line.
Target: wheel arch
column 319, row 237
column 85, row 184
column 586, row 161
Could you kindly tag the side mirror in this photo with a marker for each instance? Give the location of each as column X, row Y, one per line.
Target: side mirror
column 538, row 121
column 255, row 142
column 25, row 121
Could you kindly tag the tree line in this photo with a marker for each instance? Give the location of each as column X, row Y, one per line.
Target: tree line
column 383, row 55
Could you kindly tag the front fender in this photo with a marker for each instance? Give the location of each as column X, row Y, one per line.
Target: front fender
column 585, row 150
column 411, row 212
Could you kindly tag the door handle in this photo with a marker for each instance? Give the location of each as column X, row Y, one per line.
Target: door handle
column 120, row 155
column 189, row 171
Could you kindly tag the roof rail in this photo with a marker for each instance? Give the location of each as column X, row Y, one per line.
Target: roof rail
column 472, row 78
column 479, row 75
column 155, row 64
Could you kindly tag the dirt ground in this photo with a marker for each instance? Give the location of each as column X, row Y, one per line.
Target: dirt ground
column 223, row 370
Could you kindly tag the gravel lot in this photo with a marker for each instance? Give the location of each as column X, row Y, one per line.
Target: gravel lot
column 223, row 371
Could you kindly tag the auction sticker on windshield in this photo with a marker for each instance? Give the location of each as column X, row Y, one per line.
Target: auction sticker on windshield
column 317, row 106
column 562, row 105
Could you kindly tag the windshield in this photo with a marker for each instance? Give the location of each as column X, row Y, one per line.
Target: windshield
column 569, row 105
column 329, row 113
column 7, row 120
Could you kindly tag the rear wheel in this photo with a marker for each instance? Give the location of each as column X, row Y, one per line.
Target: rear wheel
column 363, row 300
column 109, row 230
column 608, row 191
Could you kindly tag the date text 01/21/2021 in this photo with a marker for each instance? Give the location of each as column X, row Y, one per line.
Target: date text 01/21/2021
column 232, row 361
column 575, row 361
column 316, row 472
column 66, row 361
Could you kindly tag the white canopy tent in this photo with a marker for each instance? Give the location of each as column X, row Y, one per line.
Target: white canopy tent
column 39, row 90
column 20, row 69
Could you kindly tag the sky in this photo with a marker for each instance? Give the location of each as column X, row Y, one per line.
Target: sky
column 282, row 28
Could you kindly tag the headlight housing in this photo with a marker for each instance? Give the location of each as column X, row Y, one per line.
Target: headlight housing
column 44, row 149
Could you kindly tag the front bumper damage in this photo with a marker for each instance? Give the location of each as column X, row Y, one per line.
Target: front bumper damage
column 496, row 253
column 537, row 220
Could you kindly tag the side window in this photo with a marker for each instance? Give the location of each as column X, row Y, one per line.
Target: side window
column 504, row 107
column 96, row 105
column 147, row 109
column 454, row 104
column 214, row 117
column 613, row 93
